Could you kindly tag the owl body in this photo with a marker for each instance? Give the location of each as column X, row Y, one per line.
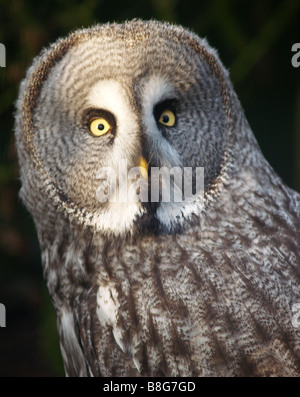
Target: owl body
column 201, row 287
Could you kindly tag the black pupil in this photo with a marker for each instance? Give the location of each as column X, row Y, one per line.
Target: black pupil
column 101, row 127
column 165, row 119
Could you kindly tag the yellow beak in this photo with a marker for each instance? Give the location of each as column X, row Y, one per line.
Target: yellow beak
column 143, row 165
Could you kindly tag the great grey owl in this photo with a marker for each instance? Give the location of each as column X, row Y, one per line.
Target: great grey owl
column 203, row 286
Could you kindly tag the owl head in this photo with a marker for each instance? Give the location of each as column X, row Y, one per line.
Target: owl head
column 104, row 112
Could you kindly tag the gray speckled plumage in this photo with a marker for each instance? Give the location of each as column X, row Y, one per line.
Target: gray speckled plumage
column 201, row 289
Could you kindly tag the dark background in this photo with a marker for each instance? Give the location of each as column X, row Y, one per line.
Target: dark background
column 254, row 40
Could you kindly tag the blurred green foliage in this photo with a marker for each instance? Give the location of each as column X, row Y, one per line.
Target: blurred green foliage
column 254, row 40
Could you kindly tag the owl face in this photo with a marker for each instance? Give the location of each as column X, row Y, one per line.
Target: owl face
column 123, row 98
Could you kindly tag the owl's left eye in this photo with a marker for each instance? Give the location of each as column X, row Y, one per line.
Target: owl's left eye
column 100, row 126
column 167, row 118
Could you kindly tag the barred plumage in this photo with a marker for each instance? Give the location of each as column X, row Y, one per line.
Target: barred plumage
column 205, row 287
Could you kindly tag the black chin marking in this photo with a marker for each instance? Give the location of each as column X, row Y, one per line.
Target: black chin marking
column 148, row 223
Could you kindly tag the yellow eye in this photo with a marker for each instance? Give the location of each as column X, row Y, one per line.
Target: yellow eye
column 100, row 126
column 167, row 118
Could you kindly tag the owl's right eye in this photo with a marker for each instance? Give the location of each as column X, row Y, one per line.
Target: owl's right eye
column 100, row 126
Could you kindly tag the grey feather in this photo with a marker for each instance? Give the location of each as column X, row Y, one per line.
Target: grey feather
column 196, row 289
